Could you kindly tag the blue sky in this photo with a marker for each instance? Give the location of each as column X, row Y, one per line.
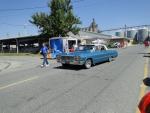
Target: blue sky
column 107, row 13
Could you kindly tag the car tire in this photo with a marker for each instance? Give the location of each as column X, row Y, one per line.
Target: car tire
column 88, row 63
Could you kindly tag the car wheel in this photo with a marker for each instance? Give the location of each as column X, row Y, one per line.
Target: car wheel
column 88, row 63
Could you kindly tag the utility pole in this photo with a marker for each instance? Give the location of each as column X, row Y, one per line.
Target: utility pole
column 17, row 45
column 148, row 34
column 137, row 36
column 25, row 29
column 19, row 34
column 7, row 35
column 2, row 48
column 125, row 33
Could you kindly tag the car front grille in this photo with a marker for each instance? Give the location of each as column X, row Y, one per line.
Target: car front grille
column 67, row 58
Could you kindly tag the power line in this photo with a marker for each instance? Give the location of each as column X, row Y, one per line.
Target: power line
column 11, row 15
column 124, row 28
column 76, row 1
column 16, row 25
column 31, row 8
column 21, row 9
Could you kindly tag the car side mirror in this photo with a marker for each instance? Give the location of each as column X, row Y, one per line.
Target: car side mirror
column 146, row 81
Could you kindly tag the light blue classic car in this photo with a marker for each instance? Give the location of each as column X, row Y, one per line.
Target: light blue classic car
column 87, row 55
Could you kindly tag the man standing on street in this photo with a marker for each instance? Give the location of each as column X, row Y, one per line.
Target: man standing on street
column 44, row 52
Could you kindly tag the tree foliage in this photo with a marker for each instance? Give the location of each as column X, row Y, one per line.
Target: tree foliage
column 60, row 21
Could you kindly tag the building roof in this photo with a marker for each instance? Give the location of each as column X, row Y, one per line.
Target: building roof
column 89, row 35
column 24, row 37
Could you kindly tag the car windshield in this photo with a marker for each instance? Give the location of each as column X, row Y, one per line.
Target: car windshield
column 85, row 47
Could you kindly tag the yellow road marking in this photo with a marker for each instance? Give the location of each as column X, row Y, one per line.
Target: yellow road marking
column 143, row 87
column 19, row 82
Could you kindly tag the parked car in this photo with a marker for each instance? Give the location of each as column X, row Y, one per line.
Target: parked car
column 114, row 45
column 87, row 55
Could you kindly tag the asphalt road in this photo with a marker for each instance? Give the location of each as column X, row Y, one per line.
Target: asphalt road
column 110, row 87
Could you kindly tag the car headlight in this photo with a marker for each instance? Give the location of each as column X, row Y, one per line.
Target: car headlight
column 77, row 58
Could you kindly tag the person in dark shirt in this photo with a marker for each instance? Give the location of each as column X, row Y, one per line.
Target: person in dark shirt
column 44, row 52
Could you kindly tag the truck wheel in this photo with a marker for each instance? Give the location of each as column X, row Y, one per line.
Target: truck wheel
column 88, row 63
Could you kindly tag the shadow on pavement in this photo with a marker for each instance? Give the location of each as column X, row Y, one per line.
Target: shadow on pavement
column 76, row 67
column 143, row 53
column 146, row 56
column 70, row 67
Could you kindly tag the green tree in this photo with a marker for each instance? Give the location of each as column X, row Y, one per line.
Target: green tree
column 60, row 21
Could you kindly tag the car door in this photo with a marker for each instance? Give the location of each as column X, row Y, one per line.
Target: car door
column 103, row 54
column 96, row 56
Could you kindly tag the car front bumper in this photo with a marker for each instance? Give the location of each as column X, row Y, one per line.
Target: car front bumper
column 80, row 62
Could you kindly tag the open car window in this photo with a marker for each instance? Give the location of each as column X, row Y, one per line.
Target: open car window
column 100, row 47
column 85, row 47
column 103, row 48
